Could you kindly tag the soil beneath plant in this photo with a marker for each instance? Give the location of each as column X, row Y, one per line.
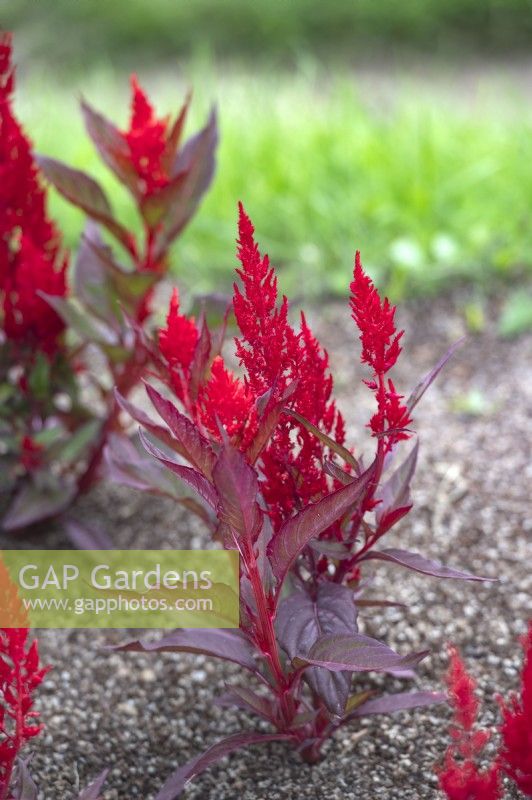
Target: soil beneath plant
column 142, row 716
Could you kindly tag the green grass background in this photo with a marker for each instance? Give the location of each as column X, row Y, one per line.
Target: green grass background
column 418, row 163
column 428, row 188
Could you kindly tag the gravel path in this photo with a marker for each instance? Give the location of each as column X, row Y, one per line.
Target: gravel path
column 142, row 716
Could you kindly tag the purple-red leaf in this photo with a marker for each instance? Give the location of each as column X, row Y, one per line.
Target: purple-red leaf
column 297, row 532
column 302, row 620
column 112, row 147
column 402, row 701
column 196, row 164
column 24, row 786
column 356, row 653
column 87, row 537
column 248, row 700
column 190, row 476
column 83, row 191
column 226, row 643
column 177, row 782
column 418, row 563
column 200, row 361
column 92, row 792
column 425, row 382
column 191, row 444
column 394, row 493
column 237, row 486
column 335, row 447
column 143, row 419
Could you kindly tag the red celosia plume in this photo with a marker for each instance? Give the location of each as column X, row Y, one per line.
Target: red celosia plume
column 227, row 400
column 147, row 139
column 177, row 343
column 516, row 730
column 460, row 777
column 380, row 350
column 30, row 260
column 20, row 675
column 275, row 357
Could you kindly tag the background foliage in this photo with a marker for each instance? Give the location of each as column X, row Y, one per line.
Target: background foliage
column 383, row 126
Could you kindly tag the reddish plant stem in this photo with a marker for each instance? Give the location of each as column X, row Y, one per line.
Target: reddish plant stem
column 266, row 641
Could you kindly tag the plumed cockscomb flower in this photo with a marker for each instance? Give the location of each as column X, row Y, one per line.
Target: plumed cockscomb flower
column 177, row 343
column 381, row 348
column 20, row 675
column 275, row 357
column 30, row 259
column 460, row 777
column 227, row 400
column 147, row 138
column 516, row 730
column 27, row 316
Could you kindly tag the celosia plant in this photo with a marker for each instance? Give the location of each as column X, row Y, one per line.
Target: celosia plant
column 264, row 453
column 52, row 441
column 20, row 675
column 460, row 776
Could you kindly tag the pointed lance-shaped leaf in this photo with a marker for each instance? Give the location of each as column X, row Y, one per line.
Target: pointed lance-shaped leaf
column 225, row 643
column 269, row 417
column 190, row 476
column 356, row 653
column 88, row 327
column 112, row 146
column 38, row 501
column 200, row 360
column 84, row 192
column 335, row 447
column 248, row 700
column 24, row 786
column 426, row 381
column 402, row 701
column 237, row 486
column 93, row 792
column 418, row 563
column 394, row 493
column 177, row 782
column 146, row 421
column 87, row 537
column 301, row 620
column 298, row 531
column 126, row 466
column 191, row 443
column 197, row 163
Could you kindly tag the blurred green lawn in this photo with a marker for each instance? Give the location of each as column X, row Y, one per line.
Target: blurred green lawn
column 77, row 30
column 431, row 186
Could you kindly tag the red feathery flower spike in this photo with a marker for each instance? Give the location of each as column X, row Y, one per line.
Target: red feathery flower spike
column 20, row 675
column 516, row 730
column 380, row 349
column 459, row 777
column 30, row 259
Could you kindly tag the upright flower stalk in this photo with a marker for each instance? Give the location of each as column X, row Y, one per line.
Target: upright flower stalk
column 262, row 448
column 20, row 675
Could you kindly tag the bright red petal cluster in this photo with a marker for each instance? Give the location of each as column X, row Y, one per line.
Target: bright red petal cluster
column 30, row 260
column 227, row 400
column 20, row 675
column 516, row 730
column 275, row 357
column 177, row 343
column 147, row 141
column 380, row 349
column 460, row 778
